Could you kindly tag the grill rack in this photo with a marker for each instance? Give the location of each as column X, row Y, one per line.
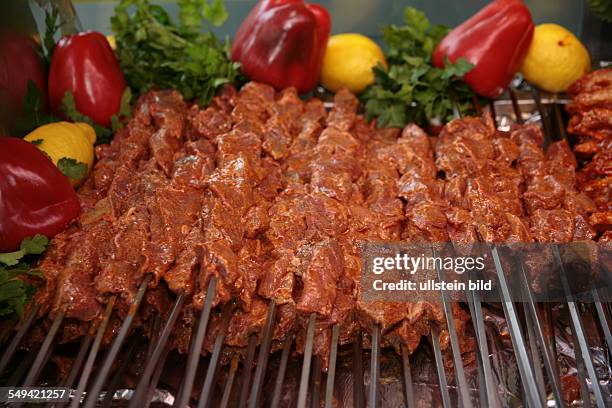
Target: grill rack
column 533, row 343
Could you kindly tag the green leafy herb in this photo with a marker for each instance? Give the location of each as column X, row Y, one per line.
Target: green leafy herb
column 214, row 12
column 603, row 8
column 37, row 142
column 29, row 246
column 34, row 246
column 71, row 168
column 15, row 292
column 52, row 24
column 156, row 52
column 34, row 114
column 125, row 110
column 103, row 134
column 412, row 89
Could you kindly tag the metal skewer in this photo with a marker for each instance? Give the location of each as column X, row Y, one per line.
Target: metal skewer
column 264, row 353
column 282, row 370
column 152, row 361
column 307, row 362
column 195, row 348
column 23, row 329
column 331, row 371
column 96, row 388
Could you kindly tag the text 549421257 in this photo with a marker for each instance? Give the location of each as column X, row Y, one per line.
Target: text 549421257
column 34, row 394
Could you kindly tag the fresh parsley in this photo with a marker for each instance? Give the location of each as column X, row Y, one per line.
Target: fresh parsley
column 103, row 134
column 156, row 52
column 15, row 290
column 29, row 246
column 412, row 90
column 71, row 168
column 52, row 25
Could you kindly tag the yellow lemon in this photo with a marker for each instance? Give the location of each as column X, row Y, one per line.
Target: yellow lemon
column 64, row 140
column 556, row 58
column 348, row 62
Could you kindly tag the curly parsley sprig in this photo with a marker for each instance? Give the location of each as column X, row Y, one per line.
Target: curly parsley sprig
column 156, row 52
column 15, row 290
column 413, row 90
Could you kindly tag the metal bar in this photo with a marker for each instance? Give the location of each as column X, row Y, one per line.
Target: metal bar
column 78, row 362
column 76, row 365
column 145, row 379
column 282, row 370
column 21, row 370
column 227, row 390
column 532, row 392
column 559, row 118
column 549, row 333
column 603, row 321
column 450, row 322
column 315, row 399
column 358, row 391
column 96, row 388
column 247, row 371
column 264, row 354
column 12, row 347
column 43, row 353
column 535, row 356
column 195, row 348
column 155, row 378
column 580, row 335
column 211, row 371
column 155, row 333
column 493, row 113
column 582, row 374
column 374, row 368
column 481, row 337
column 93, row 353
column 548, row 356
column 537, row 97
column 331, row 370
column 408, row 387
column 45, row 360
column 435, row 341
column 515, row 106
column 7, row 330
column 482, row 391
column 125, row 360
column 307, row 361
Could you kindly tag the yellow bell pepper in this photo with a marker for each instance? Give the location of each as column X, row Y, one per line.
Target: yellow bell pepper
column 64, row 140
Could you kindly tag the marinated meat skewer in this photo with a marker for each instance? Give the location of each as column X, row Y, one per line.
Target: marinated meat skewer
column 591, row 123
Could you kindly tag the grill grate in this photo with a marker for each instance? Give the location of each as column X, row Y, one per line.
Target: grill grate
column 529, row 327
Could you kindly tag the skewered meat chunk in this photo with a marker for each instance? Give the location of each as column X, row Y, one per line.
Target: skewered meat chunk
column 595, row 124
column 600, row 98
column 591, row 111
column 596, row 80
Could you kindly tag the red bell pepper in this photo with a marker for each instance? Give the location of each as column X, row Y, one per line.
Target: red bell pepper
column 35, row 197
column 495, row 40
column 282, row 43
column 20, row 62
column 85, row 65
